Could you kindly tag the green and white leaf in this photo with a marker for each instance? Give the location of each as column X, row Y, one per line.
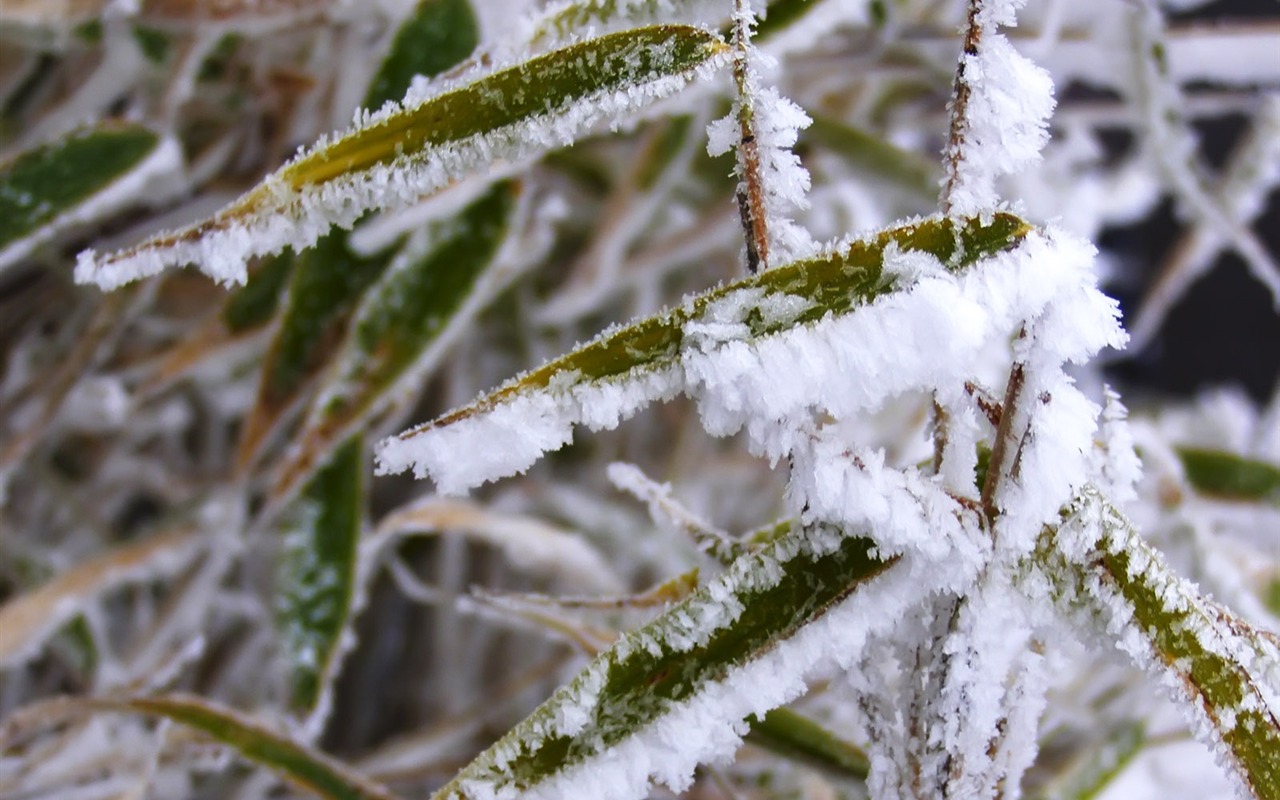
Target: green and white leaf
column 409, row 318
column 1225, row 672
column 626, row 368
column 318, row 578
column 78, row 179
column 326, row 286
column 677, row 691
column 400, row 154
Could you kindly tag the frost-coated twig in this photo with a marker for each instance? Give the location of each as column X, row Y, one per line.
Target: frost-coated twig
column 750, row 192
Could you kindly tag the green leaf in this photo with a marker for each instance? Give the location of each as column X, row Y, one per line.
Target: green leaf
column 437, row 36
column 1230, row 476
column 834, row 284
column 1219, row 661
column 397, row 157
column 795, row 736
column 302, row 765
column 254, row 304
column 654, row 670
column 1097, row 763
column 328, row 282
column 397, row 331
column 317, row 582
column 44, row 188
column 875, row 157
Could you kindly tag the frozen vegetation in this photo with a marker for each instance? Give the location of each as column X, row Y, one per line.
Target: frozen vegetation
column 750, row 362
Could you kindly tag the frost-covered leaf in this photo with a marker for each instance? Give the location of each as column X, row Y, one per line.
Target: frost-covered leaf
column 401, row 153
column 1230, row 476
column 317, row 582
column 327, row 284
column 437, row 35
column 1225, row 672
column 302, row 765
column 625, row 368
column 400, row 329
column 76, row 179
column 676, row 691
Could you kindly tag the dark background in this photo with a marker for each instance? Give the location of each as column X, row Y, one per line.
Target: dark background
column 1224, row 330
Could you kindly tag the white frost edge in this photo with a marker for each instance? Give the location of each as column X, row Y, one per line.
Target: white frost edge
column 298, row 218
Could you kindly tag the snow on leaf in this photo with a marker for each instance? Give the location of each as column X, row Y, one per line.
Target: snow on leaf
column 1225, row 673
column 77, row 179
column 402, row 153
column 677, row 691
column 622, row 370
column 316, row 590
column 302, row 765
column 407, row 320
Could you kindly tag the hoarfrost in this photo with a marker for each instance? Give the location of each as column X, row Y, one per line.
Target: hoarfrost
column 1004, row 102
column 277, row 215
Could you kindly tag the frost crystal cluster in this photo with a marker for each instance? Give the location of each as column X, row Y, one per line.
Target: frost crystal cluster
column 612, row 399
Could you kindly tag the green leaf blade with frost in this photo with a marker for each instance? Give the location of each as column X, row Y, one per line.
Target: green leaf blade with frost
column 1226, row 672
column 630, row 366
column 325, row 289
column 403, row 324
column 687, row 667
column 1230, row 476
column 318, row 575
column 400, row 154
column 302, row 765
column 76, row 179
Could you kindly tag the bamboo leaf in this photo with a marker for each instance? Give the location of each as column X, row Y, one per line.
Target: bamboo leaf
column 1230, row 476
column 627, row 367
column 76, row 179
column 1224, row 669
column 402, row 327
column 401, row 154
column 609, row 712
column 1093, row 770
column 327, row 284
column 795, row 736
column 302, row 765
column 438, row 35
column 875, row 156
column 317, row 585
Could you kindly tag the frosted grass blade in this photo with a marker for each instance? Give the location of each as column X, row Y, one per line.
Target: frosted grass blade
column 593, row 737
column 1226, row 673
column 400, row 154
column 316, row 593
column 625, row 368
column 74, row 180
column 402, row 327
column 302, row 765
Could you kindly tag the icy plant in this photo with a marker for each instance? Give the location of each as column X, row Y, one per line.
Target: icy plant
column 839, row 505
